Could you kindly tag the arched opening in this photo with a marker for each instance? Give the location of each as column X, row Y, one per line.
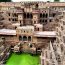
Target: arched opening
column 31, row 16
column 27, row 15
column 31, row 45
column 43, row 15
column 46, row 15
column 40, row 21
column 38, row 29
column 20, row 21
column 24, row 38
column 50, row 20
column 40, row 15
column 36, row 5
column 15, row 27
column 20, row 38
column 9, row 19
column 38, row 48
column 24, row 15
column 9, row 14
column 43, row 21
column 34, row 22
column 29, row 38
column 54, row 14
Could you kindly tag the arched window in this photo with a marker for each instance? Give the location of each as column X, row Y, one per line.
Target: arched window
column 31, row 45
column 24, row 15
column 31, row 16
column 40, row 15
column 50, row 20
column 29, row 38
column 43, row 21
column 43, row 15
column 34, row 22
column 20, row 38
column 15, row 27
column 24, row 38
column 36, row 5
column 54, row 14
column 46, row 15
column 9, row 14
column 40, row 21
column 28, row 15
column 38, row 29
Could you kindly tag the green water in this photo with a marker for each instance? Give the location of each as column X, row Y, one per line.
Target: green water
column 23, row 59
column 56, row 0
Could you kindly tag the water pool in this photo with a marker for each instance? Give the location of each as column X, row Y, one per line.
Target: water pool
column 23, row 59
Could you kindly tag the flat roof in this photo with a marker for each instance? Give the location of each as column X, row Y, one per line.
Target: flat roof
column 45, row 34
column 16, row 24
column 37, row 34
column 7, row 32
column 38, row 25
column 26, row 27
column 22, row 3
